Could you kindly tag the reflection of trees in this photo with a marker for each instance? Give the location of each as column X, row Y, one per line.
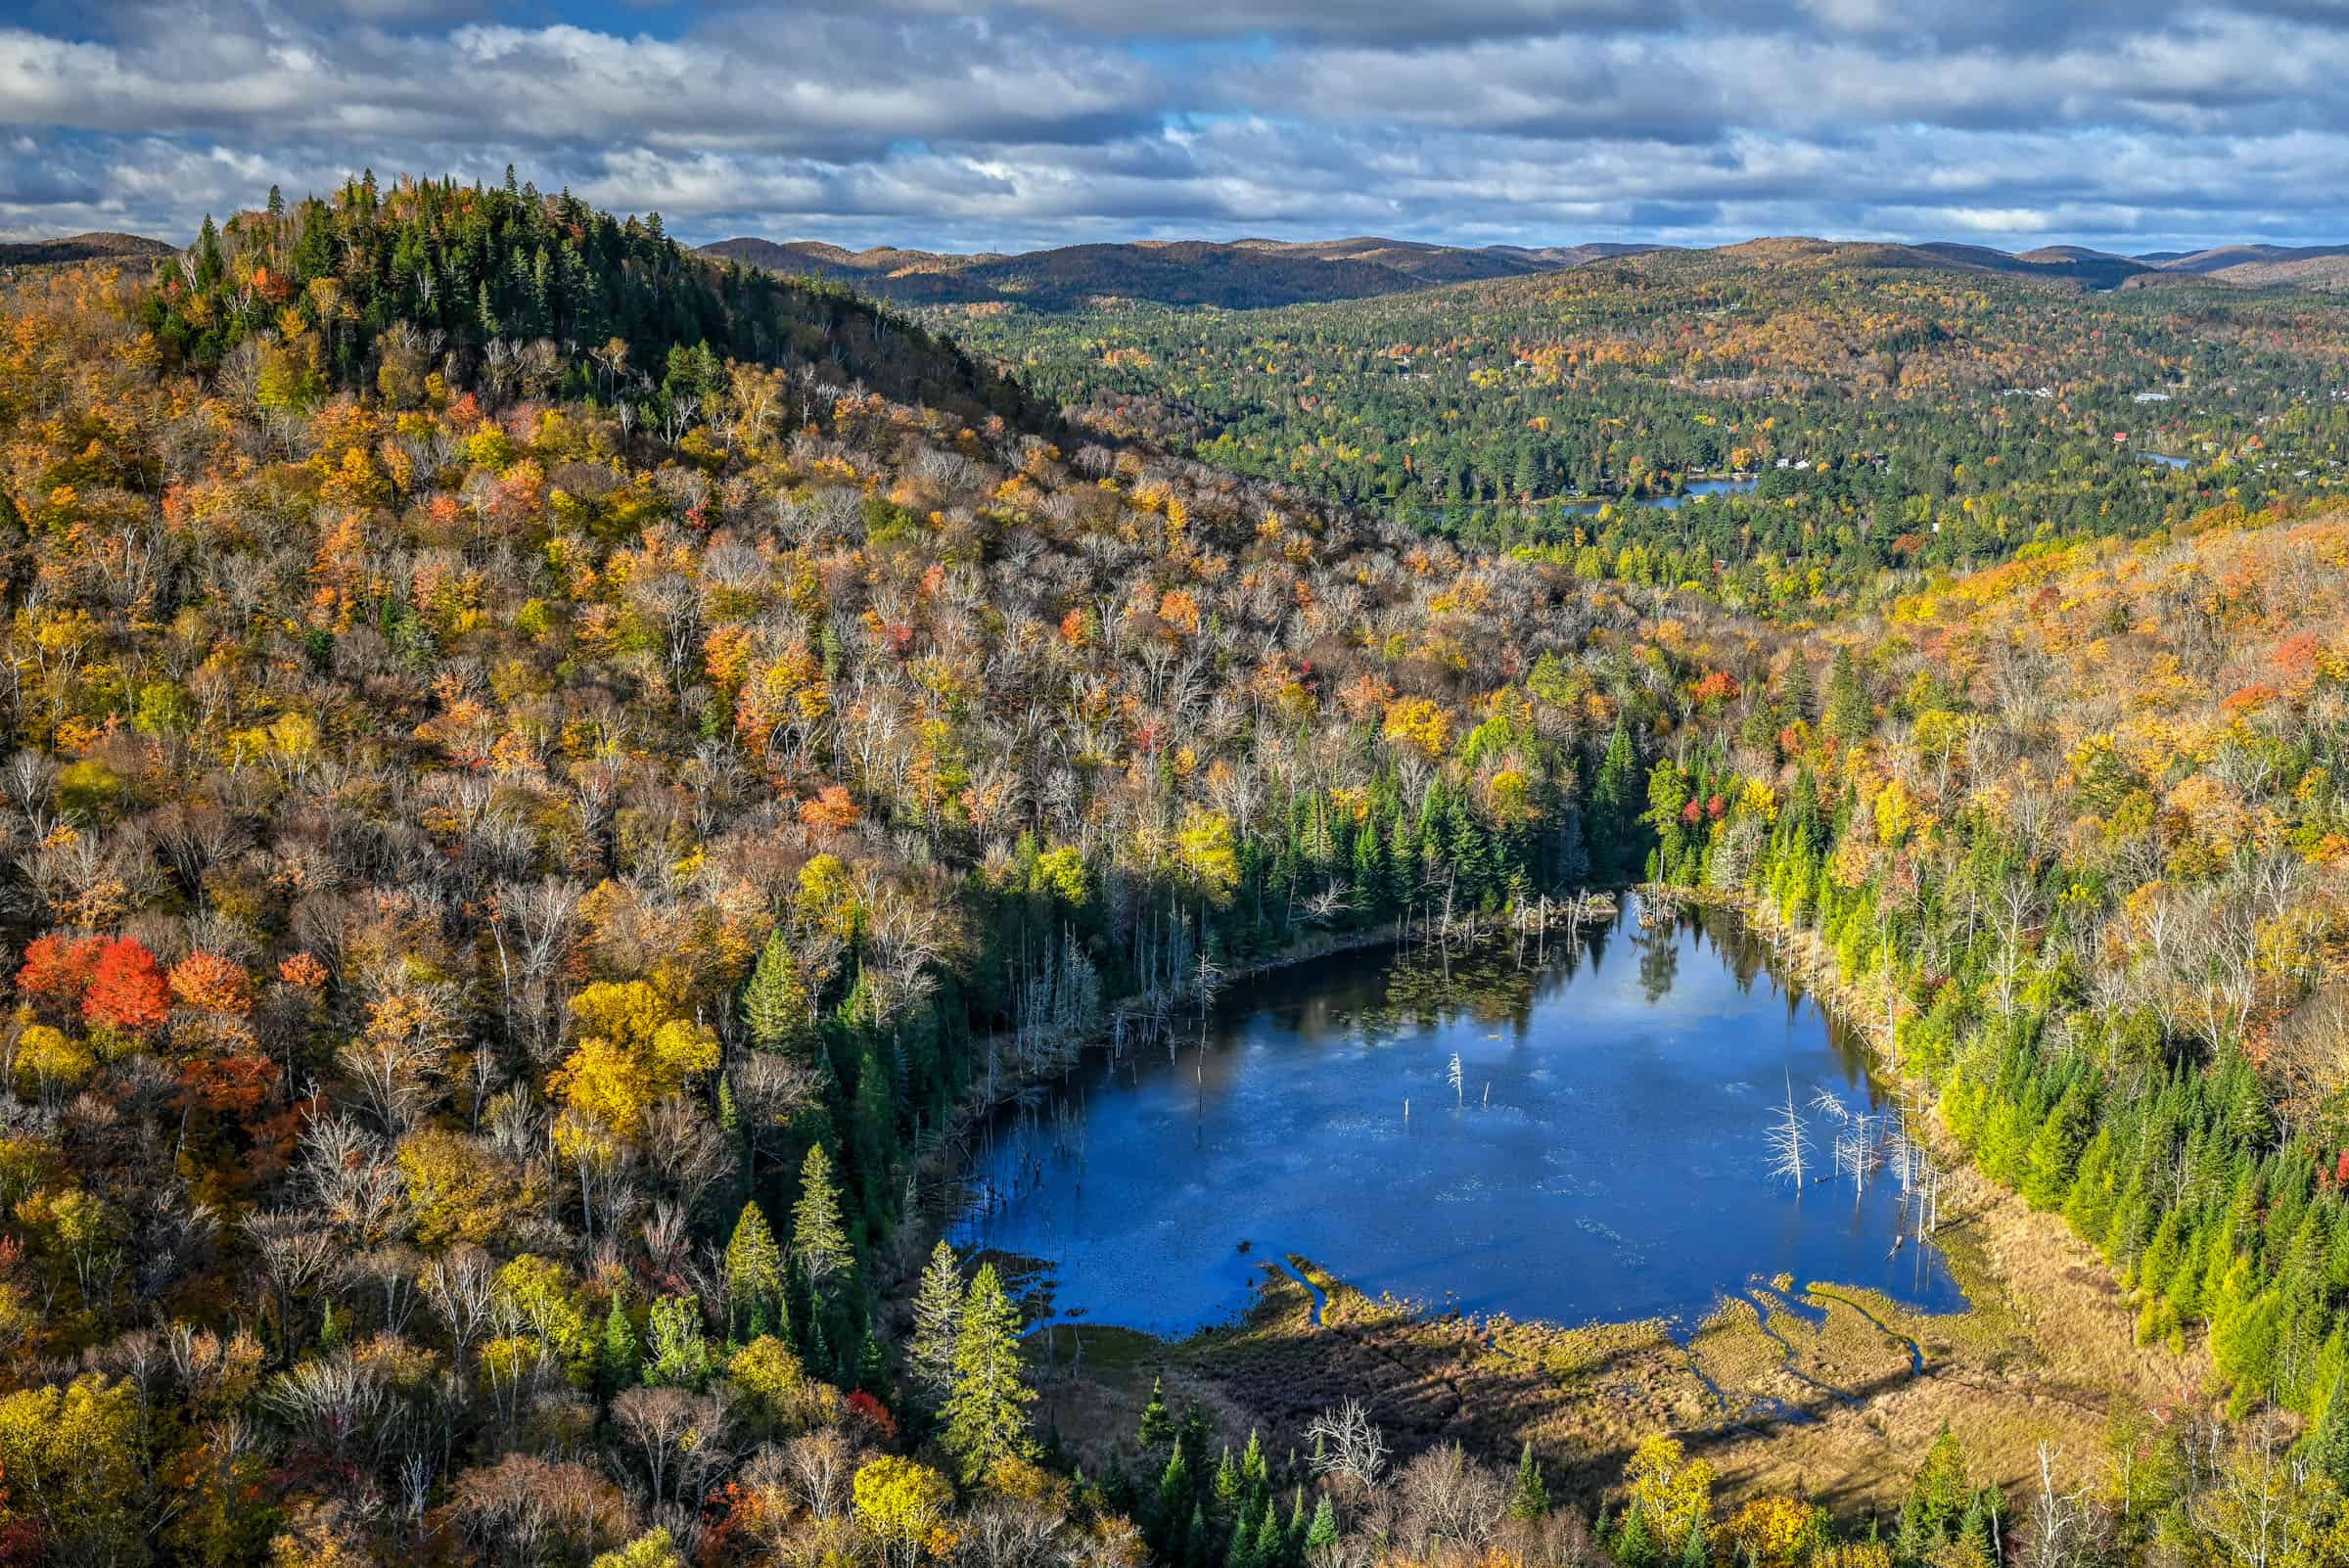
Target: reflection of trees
column 1659, row 963
column 1487, row 986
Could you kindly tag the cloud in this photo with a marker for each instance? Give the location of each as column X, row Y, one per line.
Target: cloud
column 925, row 123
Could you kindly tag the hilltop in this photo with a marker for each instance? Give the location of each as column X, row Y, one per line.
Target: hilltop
column 1234, row 275
column 93, row 247
column 422, row 278
column 1257, row 273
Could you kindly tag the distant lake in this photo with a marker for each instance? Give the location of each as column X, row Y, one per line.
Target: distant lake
column 1603, row 1156
column 2165, row 459
column 1695, row 491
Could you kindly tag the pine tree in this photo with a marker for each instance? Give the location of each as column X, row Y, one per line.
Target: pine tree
column 1240, row 1551
column 1635, row 1546
column 1849, row 718
column 1610, row 824
column 937, row 1322
column 872, row 1373
column 817, row 1240
column 1530, row 1497
column 1323, row 1531
column 1271, row 1542
column 986, row 1414
column 1228, row 1484
column 2328, row 1444
column 1693, row 1552
column 754, row 1272
column 620, row 1360
column 1796, row 690
column 1174, row 1508
column 775, row 1005
column 1158, row 1427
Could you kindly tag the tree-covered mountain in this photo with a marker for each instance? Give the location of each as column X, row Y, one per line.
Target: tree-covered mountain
column 507, row 900
column 1234, row 275
column 386, row 286
column 73, row 248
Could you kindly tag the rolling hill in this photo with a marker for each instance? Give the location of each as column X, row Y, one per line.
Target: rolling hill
column 1257, row 273
column 98, row 247
column 1237, row 274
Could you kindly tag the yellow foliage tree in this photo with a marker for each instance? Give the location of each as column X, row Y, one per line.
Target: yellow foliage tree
column 1771, row 1532
column 1203, row 850
column 1419, row 722
column 1673, row 1492
column 71, row 1456
column 903, row 1502
column 634, row 1052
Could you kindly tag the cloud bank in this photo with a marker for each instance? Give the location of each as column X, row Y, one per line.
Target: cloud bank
column 916, row 123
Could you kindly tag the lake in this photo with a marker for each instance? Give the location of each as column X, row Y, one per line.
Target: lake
column 1604, row 1155
column 1695, row 491
column 2165, row 459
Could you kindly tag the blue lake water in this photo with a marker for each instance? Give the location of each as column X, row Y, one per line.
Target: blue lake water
column 1695, row 491
column 2165, row 459
column 1603, row 1157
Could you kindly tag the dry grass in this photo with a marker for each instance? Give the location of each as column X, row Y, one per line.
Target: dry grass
column 1816, row 1392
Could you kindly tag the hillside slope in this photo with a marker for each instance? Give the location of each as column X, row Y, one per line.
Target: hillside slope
column 509, row 890
column 95, row 246
column 1242, row 274
column 539, row 292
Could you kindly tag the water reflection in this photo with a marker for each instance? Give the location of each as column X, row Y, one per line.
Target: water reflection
column 1603, row 1153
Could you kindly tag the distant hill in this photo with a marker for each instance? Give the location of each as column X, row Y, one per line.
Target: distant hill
column 2242, row 260
column 2063, row 263
column 1234, row 274
column 83, row 248
column 1257, row 273
column 2320, row 266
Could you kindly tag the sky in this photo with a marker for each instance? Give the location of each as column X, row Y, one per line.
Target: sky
column 2137, row 126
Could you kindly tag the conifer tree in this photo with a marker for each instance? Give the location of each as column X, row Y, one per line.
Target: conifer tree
column 1614, row 804
column 1529, row 1498
column 1849, row 718
column 754, row 1272
column 1635, row 1546
column 937, row 1322
column 872, row 1373
column 1271, row 1546
column 775, row 1005
column 619, row 1358
column 1323, row 1531
column 2328, row 1444
column 1174, row 1509
column 1157, row 1426
column 1240, row 1551
column 819, row 1243
column 1253, row 1468
column 1228, row 1484
column 986, row 1414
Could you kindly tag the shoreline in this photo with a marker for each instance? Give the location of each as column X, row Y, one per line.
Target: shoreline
column 911, row 1245
column 1786, row 1385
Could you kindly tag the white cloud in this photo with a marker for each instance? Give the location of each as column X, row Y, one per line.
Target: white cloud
column 920, row 123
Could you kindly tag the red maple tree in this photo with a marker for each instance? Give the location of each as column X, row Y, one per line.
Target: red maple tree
column 127, row 990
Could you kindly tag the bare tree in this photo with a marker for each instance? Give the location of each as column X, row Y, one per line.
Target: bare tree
column 1348, row 1443
column 1788, row 1142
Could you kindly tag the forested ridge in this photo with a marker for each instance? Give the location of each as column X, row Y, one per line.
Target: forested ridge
column 508, row 887
column 548, row 781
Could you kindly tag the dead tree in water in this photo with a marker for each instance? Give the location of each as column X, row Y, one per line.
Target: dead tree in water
column 1789, row 1143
